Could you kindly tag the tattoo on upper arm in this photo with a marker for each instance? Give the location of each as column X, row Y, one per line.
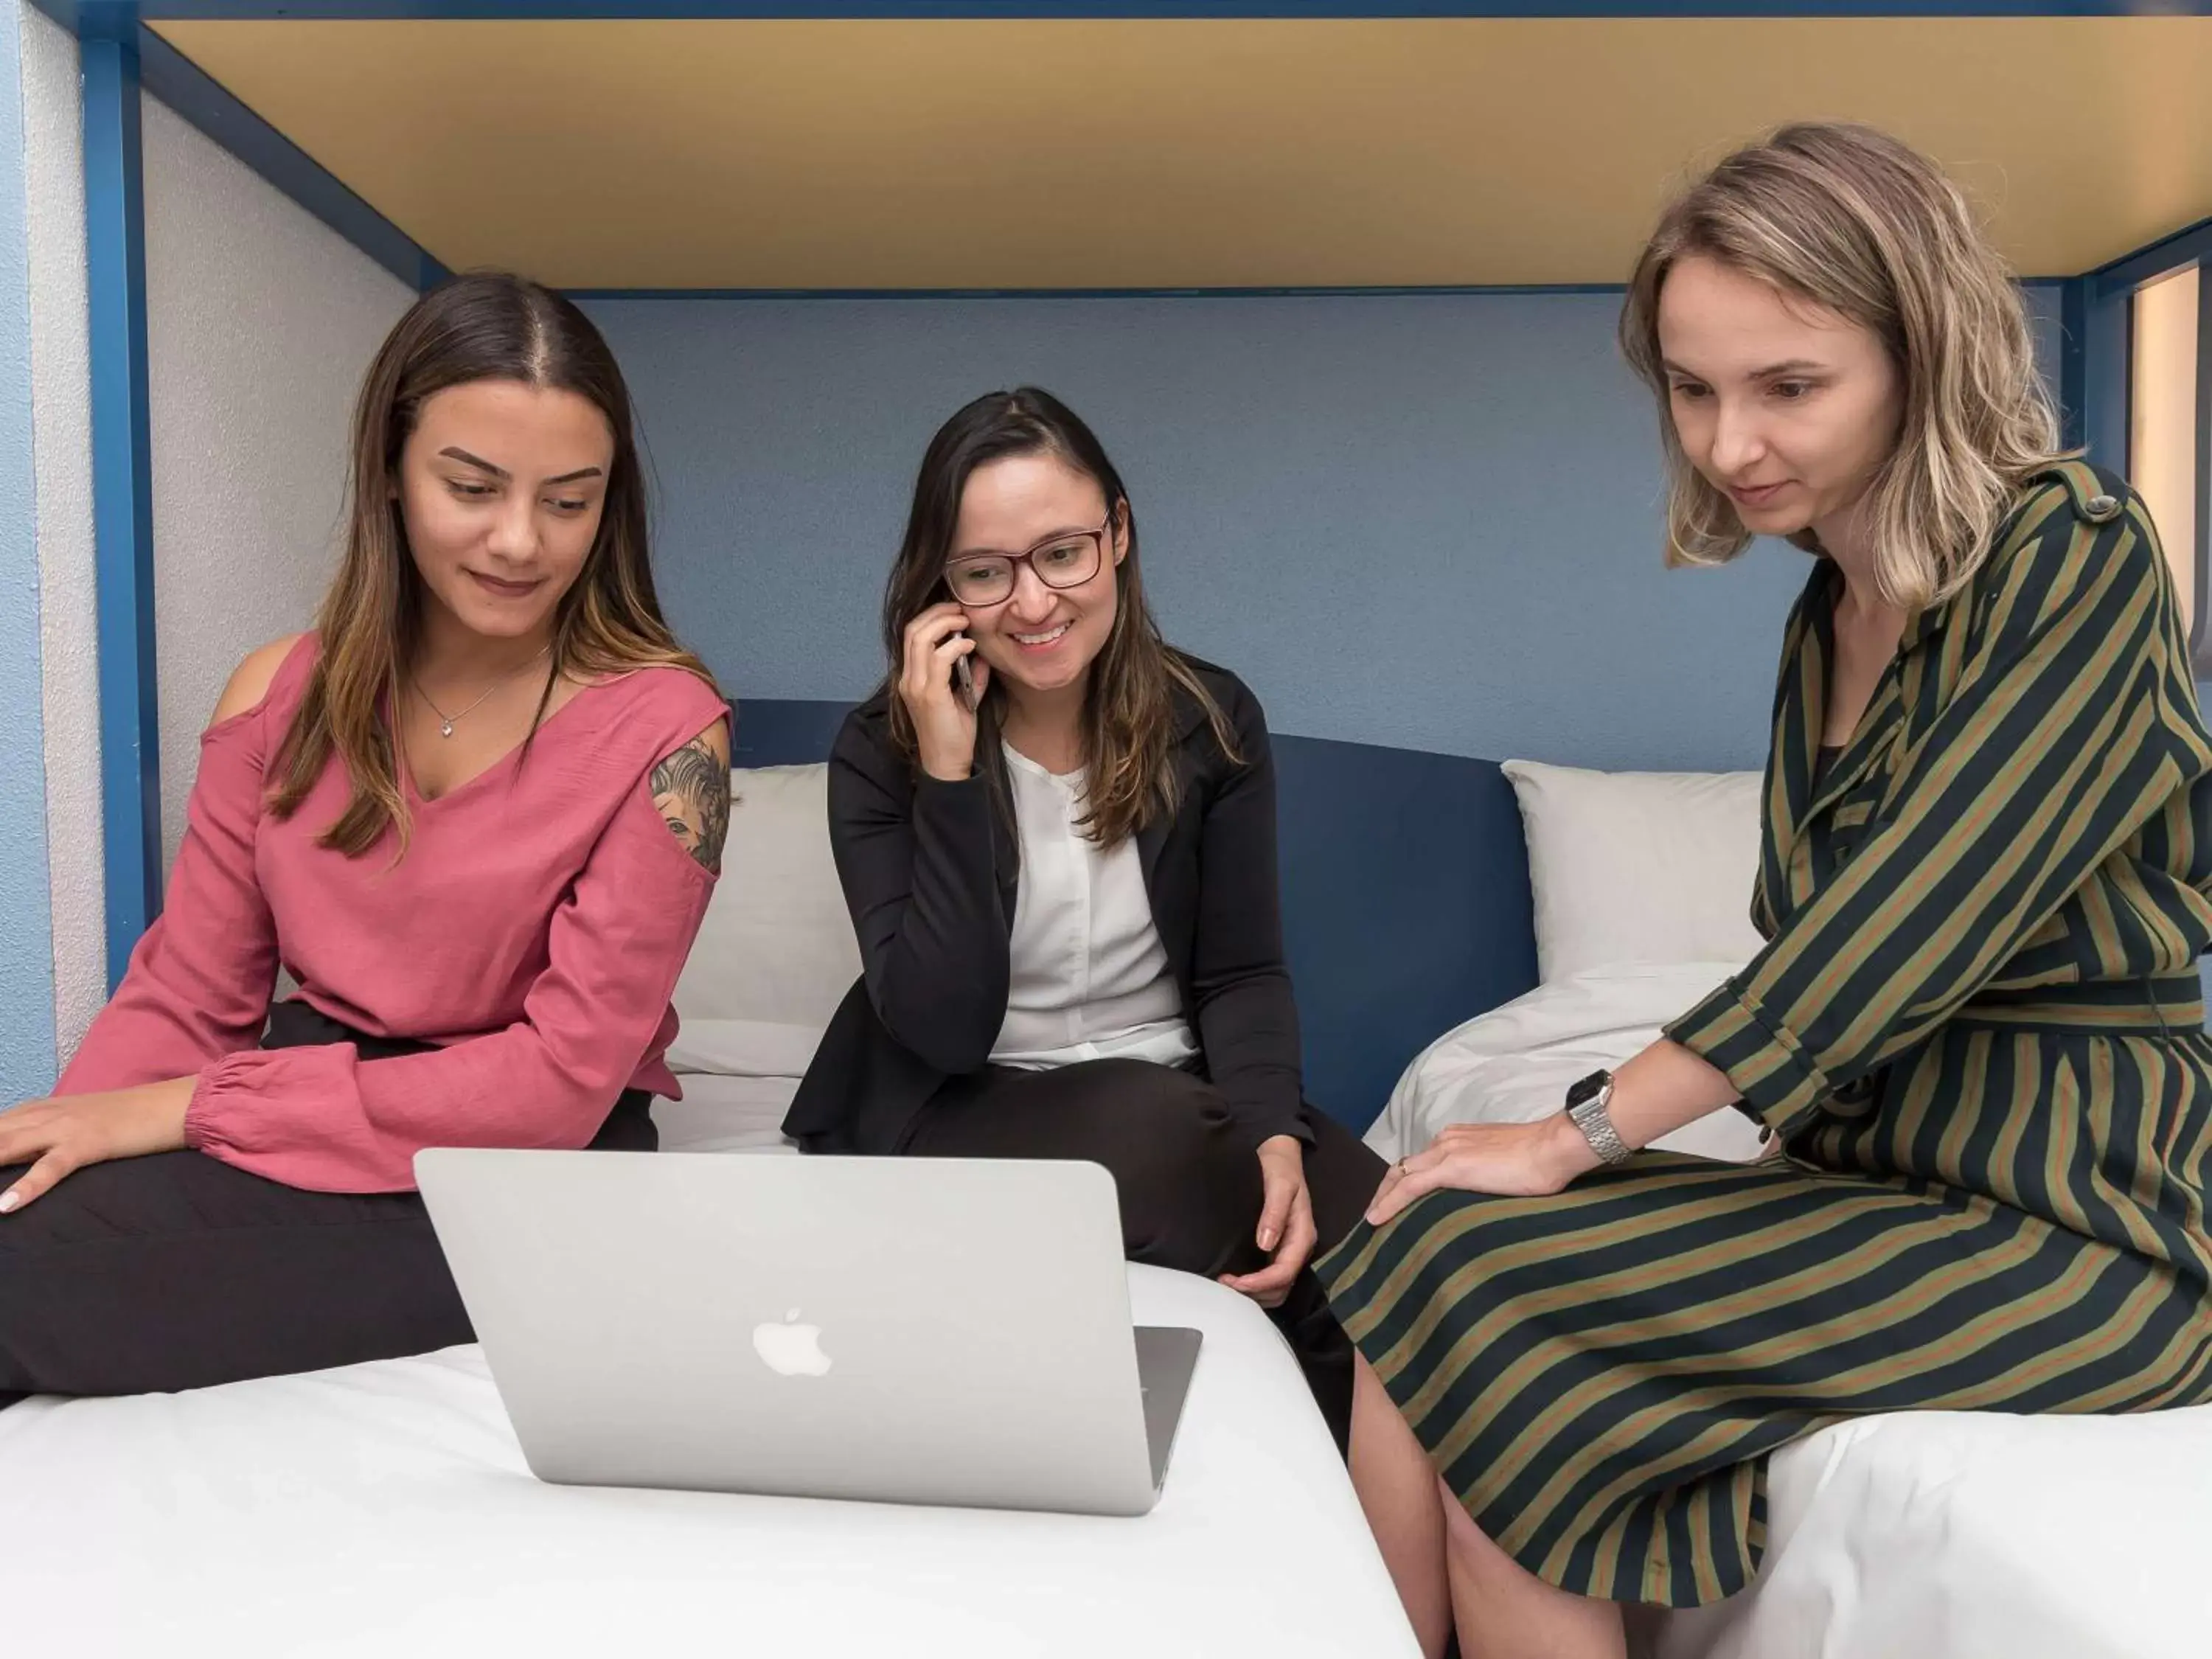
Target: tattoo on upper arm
column 691, row 788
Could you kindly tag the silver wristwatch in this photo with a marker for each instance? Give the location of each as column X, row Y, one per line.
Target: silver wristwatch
column 1586, row 1104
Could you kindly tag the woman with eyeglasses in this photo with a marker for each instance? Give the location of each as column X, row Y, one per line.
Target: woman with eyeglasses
column 1056, row 834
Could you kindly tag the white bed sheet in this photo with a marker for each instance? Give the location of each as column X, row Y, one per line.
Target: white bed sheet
column 1920, row 1535
column 385, row 1510
column 1972, row 1535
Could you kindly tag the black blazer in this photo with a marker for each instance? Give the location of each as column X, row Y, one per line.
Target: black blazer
column 929, row 870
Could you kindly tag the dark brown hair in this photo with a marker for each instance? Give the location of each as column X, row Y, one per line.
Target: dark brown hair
column 486, row 325
column 1128, row 708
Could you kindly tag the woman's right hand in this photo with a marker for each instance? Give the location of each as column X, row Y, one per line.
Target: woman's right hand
column 943, row 726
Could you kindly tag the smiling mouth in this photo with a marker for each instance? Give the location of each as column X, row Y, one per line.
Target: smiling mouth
column 1754, row 494
column 505, row 589
column 1038, row 641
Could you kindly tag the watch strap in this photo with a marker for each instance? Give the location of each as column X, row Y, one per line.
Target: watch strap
column 1596, row 1126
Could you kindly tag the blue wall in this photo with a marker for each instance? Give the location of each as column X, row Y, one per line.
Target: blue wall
column 1424, row 521
column 26, row 958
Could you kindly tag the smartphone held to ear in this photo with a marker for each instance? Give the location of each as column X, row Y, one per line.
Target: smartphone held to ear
column 963, row 677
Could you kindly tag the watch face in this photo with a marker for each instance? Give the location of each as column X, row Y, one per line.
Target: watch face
column 1586, row 1089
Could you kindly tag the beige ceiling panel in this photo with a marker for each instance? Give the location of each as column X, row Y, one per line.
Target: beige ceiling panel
column 1058, row 154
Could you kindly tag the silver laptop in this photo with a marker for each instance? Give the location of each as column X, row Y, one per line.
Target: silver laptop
column 910, row 1330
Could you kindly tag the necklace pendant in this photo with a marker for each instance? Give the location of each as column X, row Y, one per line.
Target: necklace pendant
column 446, row 730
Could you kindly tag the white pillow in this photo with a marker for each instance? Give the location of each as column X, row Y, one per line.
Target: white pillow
column 1513, row 1064
column 1639, row 866
column 774, row 954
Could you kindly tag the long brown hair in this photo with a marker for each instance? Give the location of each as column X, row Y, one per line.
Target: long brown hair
column 1855, row 222
column 485, row 326
column 1128, row 706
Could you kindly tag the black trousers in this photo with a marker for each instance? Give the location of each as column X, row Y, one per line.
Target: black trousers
column 1189, row 1185
column 178, row 1271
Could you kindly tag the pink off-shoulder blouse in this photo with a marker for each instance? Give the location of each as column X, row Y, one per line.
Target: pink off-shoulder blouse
column 532, row 933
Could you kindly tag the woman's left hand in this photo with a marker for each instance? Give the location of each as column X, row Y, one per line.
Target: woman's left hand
column 1286, row 1224
column 1513, row 1160
column 58, row 1136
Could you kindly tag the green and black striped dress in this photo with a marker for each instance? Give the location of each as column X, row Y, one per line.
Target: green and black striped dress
column 1977, row 1033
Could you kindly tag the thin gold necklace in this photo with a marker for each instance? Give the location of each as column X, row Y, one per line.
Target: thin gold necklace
column 446, row 721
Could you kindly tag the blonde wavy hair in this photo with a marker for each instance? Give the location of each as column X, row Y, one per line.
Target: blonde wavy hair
column 1851, row 220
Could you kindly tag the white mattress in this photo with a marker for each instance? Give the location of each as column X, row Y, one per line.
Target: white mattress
column 1922, row 1535
column 1970, row 1535
column 384, row 1511
column 725, row 1114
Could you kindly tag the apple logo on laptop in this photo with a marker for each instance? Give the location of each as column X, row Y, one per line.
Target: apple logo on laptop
column 791, row 1349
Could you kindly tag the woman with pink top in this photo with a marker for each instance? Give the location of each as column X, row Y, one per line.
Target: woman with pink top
column 476, row 815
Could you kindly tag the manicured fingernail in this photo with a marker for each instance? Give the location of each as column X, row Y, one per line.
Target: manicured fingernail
column 1267, row 1238
column 9, row 1201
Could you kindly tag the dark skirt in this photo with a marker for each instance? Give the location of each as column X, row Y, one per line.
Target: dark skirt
column 178, row 1271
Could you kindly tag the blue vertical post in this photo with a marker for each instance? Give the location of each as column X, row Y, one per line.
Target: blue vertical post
column 2108, row 369
column 122, row 491
column 2074, row 361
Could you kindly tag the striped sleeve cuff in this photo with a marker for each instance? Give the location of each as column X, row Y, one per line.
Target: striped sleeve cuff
column 1761, row 1059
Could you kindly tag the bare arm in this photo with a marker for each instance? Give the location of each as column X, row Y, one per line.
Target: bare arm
column 691, row 788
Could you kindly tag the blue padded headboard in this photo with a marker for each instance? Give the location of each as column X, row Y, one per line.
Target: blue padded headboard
column 1406, row 899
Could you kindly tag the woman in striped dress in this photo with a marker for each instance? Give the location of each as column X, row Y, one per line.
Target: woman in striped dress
column 1974, row 1038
